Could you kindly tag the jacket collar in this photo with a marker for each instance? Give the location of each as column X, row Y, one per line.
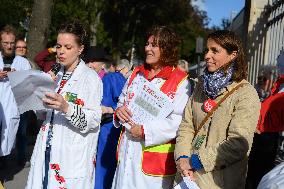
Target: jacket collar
column 76, row 75
column 77, row 72
column 165, row 73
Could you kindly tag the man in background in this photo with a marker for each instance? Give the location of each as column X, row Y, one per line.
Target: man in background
column 9, row 114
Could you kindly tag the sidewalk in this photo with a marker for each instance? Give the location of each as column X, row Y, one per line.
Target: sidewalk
column 14, row 176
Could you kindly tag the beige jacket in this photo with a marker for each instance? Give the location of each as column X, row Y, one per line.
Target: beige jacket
column 229, row 135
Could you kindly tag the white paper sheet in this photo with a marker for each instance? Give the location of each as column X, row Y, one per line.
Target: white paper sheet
column 187, row 183
column 29, row 87
column 146, row 102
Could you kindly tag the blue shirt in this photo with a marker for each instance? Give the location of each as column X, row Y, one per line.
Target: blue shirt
column 112, row 87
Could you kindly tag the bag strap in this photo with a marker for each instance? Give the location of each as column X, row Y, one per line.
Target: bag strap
column 216, row 106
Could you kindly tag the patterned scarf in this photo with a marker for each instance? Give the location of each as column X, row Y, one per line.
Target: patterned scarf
column 214, row 82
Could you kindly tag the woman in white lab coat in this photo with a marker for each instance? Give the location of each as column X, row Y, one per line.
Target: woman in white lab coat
column 145, row 152
column 64, row 153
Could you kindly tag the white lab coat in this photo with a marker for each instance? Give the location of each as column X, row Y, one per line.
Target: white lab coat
column 274, row 179
column 72, row 150
column 128, row 173
column 9, row 114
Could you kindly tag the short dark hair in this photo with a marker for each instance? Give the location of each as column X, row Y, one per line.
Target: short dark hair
column 75, row 28
column 168, row 42
column 231, row 42
column 261, row 79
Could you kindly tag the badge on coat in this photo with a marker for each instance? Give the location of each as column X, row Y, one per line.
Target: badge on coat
column 208, row 105
column 198, row 141
column 72, row 97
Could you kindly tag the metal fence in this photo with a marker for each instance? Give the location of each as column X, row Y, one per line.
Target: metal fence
column 265, row 38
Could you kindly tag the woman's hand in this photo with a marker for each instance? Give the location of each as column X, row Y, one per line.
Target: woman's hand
column 53, row 76
column 123, row 114
column 106, row 109
column 136, row 131
column 184, row 168
column 55, row 101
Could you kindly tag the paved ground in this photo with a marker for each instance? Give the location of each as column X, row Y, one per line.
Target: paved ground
column 14, row 176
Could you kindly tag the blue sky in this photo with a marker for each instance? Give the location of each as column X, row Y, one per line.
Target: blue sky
column 218, row 9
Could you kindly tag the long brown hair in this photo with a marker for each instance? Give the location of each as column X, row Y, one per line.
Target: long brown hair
column 168, row 42
column 229, row 41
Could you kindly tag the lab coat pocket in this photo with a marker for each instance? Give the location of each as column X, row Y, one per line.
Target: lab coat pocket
column 75, row 163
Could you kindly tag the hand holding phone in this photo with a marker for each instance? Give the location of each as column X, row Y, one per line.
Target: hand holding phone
column 7, row 67
column 55, row 68
column 3, row 74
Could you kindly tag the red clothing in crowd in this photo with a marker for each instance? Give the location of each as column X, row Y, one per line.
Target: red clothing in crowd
column 272, row 110
column 42, row 60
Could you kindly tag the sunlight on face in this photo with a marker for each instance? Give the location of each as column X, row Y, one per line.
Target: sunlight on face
column 217, row 56
column 152, row 51
column 68, row 50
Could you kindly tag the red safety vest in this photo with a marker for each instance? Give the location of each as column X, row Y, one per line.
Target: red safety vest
column 159, row 160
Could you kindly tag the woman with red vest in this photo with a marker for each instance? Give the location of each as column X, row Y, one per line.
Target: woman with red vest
column 145, row 152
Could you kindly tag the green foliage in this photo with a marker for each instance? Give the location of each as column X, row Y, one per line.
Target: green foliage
column 125, row 24
column 14, row 12
column 118, row 23
column 64, row 11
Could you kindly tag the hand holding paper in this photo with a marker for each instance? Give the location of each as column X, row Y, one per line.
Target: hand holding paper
column 136, row 131
column 145, row 102
column 123, row 114
column 183, row 166
column 55, row 101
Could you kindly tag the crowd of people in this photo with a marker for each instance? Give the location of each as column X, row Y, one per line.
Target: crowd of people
column 90, row 138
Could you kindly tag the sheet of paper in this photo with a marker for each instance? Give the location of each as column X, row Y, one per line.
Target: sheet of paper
column 29, row 87
column 147, row 102
column 186, row 183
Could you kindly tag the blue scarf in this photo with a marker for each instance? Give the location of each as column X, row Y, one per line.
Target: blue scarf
column 214, row 82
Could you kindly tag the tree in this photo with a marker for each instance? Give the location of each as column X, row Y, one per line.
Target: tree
column 112, row 24
column 39, row 26
column 14, row 12
column 127, row 25
column 225, row 24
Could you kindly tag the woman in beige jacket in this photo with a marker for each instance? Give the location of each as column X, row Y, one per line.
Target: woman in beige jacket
column 214, row 154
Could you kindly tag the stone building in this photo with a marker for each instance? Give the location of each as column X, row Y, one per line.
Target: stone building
column 261, row 26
